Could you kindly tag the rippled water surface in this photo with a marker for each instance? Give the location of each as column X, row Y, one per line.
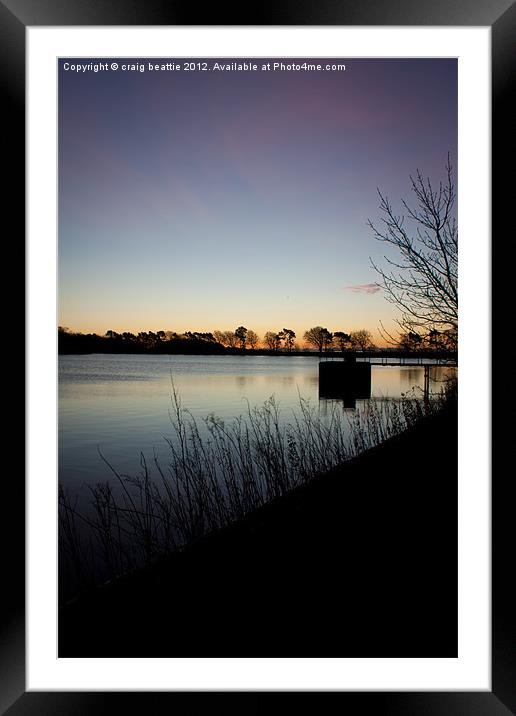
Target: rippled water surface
column 119, row 404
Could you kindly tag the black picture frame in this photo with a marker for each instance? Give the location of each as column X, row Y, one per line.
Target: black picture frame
column 500, row 15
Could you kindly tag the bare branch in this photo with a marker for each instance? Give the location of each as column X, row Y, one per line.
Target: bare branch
column 422, row 283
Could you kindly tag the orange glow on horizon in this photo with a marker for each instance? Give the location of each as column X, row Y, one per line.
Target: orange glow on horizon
column 299, row 341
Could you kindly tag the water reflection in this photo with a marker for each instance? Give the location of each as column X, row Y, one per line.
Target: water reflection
column 394, row 381
column 347, row 402
column 121, row 403
column 311, row 380
column 243, row 380
column 284, row 380
column 386, row 382
column 411, row 376
column 347, row 396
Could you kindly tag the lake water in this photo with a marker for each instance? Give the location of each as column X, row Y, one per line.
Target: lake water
column 119, row 404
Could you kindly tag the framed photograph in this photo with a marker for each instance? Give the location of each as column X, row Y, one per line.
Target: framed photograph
column 216, row 502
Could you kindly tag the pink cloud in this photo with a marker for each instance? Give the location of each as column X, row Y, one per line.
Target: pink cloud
column 363, row 288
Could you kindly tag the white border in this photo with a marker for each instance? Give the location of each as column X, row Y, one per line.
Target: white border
column 471, row 671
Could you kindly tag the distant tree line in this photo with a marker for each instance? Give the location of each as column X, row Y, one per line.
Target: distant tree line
column 324, row 340
column 361, row 340
column 142, row 342
column 242, row 339
column 430, row 340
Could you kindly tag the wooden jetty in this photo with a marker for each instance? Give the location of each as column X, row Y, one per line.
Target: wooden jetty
column 349, row 375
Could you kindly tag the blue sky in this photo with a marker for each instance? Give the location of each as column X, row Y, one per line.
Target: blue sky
column 207, row 200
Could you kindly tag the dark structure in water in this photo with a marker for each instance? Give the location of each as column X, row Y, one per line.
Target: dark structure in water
column 345, row 379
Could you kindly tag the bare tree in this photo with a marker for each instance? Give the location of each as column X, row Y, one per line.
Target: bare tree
column 423, row 282
column 343, row 340
column 410, row 341
column 226, row 338
column 219, row 337
column 252, row 339
column 287, row 335
column 319, row 338
column 241, row 336
column 361, row 340
column 272, row 340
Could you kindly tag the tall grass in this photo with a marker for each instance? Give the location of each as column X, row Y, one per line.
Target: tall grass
column 214, row 477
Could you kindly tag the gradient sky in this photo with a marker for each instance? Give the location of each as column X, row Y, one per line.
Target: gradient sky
column 205, row 200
